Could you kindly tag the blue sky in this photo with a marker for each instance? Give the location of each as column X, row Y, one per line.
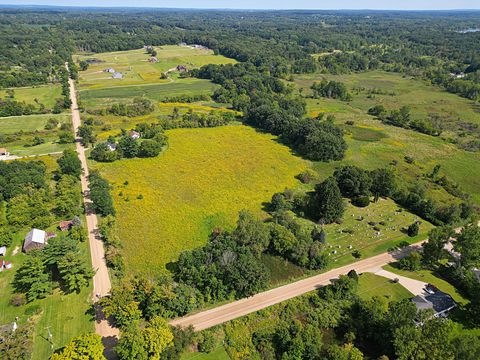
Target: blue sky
column 269, row 4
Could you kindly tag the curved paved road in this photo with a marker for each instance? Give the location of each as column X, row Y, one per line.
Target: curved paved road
column 101, row 279
column 221, row 314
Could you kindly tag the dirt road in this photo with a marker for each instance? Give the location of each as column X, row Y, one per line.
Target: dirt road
column 101, row 279
column 221, row 314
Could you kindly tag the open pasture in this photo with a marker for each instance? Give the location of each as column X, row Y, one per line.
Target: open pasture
column 199, row 183
column 393, row 91
column 28, row 123
column 372, row 144
column 45, row 95
column 136, row 68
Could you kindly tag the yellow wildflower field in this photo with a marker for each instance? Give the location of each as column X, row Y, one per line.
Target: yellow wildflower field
column 172, row 202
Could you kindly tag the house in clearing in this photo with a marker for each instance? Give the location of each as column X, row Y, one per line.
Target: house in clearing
column 36, row 239
column 134, row 134
column 117, row 75
column 112, row 146
column 440, row 302
column 4, row 152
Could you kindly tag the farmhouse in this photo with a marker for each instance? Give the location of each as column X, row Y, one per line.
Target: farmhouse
column 117, row 75
column 36, row 239
column 134, row 134
column 440, row 302
column 109, row 70
column 4, row 152
column 3, row 250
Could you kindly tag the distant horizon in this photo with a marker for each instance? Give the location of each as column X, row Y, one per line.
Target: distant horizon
column 272, row 5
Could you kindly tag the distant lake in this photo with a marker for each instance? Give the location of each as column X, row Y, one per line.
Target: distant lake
column 471, row 30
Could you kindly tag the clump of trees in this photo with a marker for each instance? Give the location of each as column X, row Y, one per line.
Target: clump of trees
column 139, row 106
column 402, row 118
column 61, row 259
column 331, row 89
column 100, row 194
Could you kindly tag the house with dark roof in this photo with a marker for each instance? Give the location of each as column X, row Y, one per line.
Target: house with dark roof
column 440, row 302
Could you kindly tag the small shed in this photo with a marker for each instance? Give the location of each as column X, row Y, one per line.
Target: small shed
column 3, row 250
column 65, row 225
column 35, row 239
column 117, row 75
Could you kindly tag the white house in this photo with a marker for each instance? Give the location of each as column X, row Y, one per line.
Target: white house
column 35, row 239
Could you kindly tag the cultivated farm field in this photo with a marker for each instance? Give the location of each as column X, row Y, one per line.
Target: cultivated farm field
column 199, row 183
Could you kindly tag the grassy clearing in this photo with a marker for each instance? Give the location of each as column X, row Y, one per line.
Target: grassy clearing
column 373, row 144
column 28, row 123
column 370, row 285
column 137, row 70
column 200, row 182
column 45, row 95
column 429, row 277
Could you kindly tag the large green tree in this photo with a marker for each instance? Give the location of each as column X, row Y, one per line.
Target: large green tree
column 327, row 203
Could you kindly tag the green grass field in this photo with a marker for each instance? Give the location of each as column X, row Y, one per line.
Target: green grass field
column 137, row 70
column 373, row 144
column 370, row 285
column 45, row 95
column 156, row 92
column 200, row 182
column 28, row 123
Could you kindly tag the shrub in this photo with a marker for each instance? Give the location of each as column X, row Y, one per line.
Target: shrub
column 18, row 299
column 361, row 201
column 412, row 230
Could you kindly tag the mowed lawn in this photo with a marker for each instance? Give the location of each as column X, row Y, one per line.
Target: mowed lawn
column 370, row 285
column 200, row 182
column 45, row 95
column 136, row 68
